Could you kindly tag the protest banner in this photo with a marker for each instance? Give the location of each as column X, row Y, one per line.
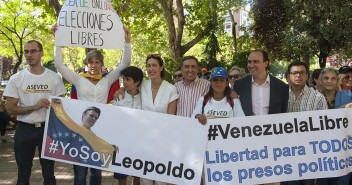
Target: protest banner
column 89, row 24
column 280, row 147
column 141, row 143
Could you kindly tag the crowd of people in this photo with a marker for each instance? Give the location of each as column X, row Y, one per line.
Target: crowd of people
column 233, row 93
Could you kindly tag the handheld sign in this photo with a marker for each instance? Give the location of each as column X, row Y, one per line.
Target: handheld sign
column 89, row 24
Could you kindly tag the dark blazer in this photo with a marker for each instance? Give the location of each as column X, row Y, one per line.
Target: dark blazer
column 278, row 95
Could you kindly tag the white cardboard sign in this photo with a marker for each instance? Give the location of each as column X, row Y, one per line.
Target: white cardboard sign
column 89, row 24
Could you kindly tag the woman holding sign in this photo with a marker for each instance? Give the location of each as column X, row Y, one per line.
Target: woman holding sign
column 92, row 86
column 217, row 103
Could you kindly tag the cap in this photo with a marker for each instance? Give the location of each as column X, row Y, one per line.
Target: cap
column 345, row 69
column 218, row 72
column 204, row 70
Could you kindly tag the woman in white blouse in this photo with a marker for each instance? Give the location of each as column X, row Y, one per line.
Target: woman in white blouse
column 157, row 94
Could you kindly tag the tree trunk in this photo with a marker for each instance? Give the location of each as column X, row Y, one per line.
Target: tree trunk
column 324, row 52
column 233, row 31
column 322, row 59
column 56, row 6
column 175, row 35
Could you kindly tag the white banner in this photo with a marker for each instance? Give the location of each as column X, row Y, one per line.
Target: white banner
column 134, row 142
column 281, row 147
column 89, row 24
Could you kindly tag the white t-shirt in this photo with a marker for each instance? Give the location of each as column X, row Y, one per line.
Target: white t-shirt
column 219, row 108
column 130, row 101
column 86, row 90
column 166, row 94
column 30, row 88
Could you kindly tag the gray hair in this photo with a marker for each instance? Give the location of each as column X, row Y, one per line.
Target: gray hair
column 329, row 69
column 240, row 70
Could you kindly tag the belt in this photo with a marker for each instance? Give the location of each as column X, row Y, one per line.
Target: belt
column 35, row 125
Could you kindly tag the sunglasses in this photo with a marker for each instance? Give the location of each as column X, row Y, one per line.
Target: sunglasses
column 177, row 75
column 156, row 55
column 347, row 77
column 234, row 76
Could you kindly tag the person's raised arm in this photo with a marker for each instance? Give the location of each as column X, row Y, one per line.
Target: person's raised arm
column 126, row 59
column 66, row 73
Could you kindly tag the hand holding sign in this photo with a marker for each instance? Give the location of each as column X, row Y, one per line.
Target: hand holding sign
column 127, row 35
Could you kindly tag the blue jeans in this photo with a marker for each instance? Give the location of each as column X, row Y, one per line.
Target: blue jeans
column 81, row 174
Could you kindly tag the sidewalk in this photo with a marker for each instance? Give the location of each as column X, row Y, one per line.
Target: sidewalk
column 63, row 172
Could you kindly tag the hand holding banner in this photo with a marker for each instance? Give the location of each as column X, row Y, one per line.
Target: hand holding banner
column 124, row 140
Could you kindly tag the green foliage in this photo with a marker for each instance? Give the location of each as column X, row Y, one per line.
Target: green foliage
column 21, row 21
column 328, row 24
column 212, row 48
column 300, row 29
column 270, row 22
column 239, row 59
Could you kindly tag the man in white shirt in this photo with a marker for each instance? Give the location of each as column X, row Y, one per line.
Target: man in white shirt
column 27, row 97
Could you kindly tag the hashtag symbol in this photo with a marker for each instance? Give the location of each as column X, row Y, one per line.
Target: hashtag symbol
column 212, row 132
column 53, row 146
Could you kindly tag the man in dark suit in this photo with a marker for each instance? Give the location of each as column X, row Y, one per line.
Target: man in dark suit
column 260, row 93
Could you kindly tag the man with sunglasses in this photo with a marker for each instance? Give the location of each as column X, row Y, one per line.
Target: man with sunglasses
column 345, row 78
column 27, row 97
column 344, row 93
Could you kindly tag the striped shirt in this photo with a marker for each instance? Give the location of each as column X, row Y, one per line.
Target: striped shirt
column 189, row 95
column 308, row 100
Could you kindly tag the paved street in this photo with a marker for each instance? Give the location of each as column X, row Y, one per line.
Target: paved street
column 63, row 172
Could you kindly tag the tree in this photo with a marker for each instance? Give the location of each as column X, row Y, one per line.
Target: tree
column 18, row 22
column 327, row 22
column 299, row 29
column 231, row 7
column 169, row 27
column 6, row 63
column 270, row 22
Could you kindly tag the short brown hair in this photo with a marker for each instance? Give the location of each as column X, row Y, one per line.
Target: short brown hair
column 94, row 53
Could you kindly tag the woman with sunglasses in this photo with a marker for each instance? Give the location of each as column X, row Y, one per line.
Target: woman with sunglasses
column 177, row 76
column 344, row 94
column 217, row 103
column 236, row 73
column 92, row 86
column 157, row 94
